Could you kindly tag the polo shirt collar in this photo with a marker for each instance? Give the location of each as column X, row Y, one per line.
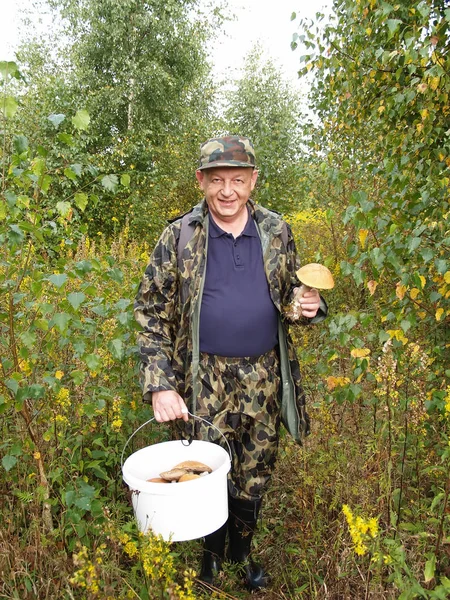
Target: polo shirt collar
column 249, row 230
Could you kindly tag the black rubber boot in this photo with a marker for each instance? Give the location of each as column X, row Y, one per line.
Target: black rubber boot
column 243, row 516
column 213, row 554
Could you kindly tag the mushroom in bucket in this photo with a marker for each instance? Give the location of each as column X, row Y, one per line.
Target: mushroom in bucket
column 312, row 275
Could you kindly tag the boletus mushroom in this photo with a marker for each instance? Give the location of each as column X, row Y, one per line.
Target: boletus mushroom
column 312, row 275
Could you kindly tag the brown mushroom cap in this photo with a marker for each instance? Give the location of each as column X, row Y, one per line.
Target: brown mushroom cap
column 173, row 474
column 188, row 477
column 317, row 276
column 158, row 480
column 194, row 466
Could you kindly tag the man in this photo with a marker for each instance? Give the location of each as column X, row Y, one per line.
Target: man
column 215, row 339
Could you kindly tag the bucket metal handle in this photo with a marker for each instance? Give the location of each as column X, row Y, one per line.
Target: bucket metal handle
column 192, row 415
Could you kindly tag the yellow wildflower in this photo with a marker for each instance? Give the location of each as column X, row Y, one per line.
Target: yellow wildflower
column 361, row 530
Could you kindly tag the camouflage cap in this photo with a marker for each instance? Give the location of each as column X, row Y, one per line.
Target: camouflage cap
column 229, row 151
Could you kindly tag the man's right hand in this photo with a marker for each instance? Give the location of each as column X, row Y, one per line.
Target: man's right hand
column 168, row 406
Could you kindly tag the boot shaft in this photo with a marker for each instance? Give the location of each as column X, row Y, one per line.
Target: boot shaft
column 243, row 516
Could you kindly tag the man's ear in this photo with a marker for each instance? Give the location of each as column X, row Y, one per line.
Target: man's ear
column 254, row 178
column 200, row 177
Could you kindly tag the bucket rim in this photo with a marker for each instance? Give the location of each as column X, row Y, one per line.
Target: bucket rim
column 141, row 485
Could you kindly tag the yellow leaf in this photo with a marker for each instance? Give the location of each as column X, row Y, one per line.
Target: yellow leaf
column 368, row 30
column 447, row 277
column 363, row 233
column 398, row 335
column 439, row 313
column 360, row 352
column 400, row 291
column 334, row 382
column 372, row 285
column 331, row 383
column 414, row 293
column 333, row 357
column 422, row 280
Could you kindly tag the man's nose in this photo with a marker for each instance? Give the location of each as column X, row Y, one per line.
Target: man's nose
column 227, row 188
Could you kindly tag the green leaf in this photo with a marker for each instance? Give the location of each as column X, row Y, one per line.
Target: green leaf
column 61, row 320
column 81, row 120
column 393, row 25
column 9, row 106
column 437, row 499
column 441, row 266
column 430, row 567
column 81, row 201
column 125, row 180
column 65, row 138
column 78, row 377
column 69, row 498
column 70, row 174
column 414, row 243
column 58, row 280
column 93, row 361
column 76, row 299
column 110, row 182
column 84, row 503
column 15, row 234
column 28, row 338
column 63, row 208
column 35, row 391
column 77, row 169
column 116, row 347
column 12, row 385
column 45, row 183
column 56, row 120
column 9, row 462
column 20, row 144
column 9, row 68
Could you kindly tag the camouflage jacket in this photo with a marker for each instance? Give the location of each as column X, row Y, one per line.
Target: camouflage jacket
column 168, row 306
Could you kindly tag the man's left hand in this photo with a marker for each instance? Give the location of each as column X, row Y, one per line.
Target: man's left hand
column 310, row 303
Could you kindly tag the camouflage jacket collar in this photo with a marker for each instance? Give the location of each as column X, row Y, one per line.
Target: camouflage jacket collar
column 267, row 220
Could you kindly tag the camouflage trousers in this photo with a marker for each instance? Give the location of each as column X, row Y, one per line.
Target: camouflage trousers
column 240, row 396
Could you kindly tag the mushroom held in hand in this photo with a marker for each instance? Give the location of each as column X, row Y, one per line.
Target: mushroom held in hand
column 315, row 276
column 312, row 275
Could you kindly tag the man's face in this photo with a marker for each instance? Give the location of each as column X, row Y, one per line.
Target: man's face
column 227, row 190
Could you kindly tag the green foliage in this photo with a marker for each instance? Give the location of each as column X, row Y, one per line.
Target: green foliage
column 266, row 108
column 380, row 90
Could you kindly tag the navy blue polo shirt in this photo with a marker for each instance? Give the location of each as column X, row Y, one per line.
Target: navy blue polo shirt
column 238, row 317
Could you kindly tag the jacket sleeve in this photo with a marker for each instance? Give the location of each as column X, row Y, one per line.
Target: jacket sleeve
column 155, row 310
column 293, row 265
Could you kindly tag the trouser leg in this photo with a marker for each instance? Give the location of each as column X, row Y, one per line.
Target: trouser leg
column 240, row 397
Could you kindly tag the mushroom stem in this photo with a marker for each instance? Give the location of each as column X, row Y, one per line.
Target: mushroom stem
column 301, row 291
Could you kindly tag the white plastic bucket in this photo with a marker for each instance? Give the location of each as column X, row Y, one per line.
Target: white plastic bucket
column 178, row 511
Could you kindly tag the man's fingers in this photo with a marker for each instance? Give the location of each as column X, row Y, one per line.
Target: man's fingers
column 168, row 406
column 184, row 411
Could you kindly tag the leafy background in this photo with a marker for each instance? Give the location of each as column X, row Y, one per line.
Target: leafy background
column 99, row 142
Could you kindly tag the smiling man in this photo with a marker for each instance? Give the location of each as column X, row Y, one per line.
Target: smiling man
column 212, row 307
